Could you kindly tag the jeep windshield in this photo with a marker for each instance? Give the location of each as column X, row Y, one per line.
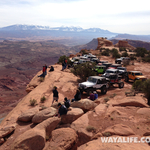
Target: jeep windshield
column 90, row 79
column 110, row 71
column 120, row 68
column 139, row 73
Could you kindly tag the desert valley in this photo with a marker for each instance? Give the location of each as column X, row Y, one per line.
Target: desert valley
column 121, row 112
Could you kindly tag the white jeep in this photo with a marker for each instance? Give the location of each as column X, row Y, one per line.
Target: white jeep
column 94, row 83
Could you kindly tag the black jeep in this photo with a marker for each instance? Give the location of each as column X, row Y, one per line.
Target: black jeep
column 113, row 78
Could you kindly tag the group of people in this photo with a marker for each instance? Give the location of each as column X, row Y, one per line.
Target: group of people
column 44, row 71
column 63, row 108
column 93, row 96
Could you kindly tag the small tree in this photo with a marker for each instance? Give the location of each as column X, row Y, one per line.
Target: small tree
column 137, row 85
column 122, row 49
column 115, row 53
column 84, row 70
column 124, row 54
column 146, row 89
column 62, row 58
column 140, row 51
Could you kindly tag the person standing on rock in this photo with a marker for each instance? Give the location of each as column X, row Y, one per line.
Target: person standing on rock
column 62, row 110
column 55, row 95
column 45, row 70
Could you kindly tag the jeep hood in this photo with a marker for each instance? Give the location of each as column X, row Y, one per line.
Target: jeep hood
column 87, row 84
column 141, row 77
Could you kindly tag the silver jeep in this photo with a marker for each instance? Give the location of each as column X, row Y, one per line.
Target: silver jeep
column 94, row 83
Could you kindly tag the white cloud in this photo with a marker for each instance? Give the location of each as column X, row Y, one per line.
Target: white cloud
column 116, row 15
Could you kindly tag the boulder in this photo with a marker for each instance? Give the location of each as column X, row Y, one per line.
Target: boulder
column 62, row 139
column 136, row 101
column 119, row 129
column 80, row 126
column 84, row 104
column 144, row 111
column 28, row 115
column 44, row 114
column 72, row 115
column 7, row 130
column 99, row 145
column 34, row 139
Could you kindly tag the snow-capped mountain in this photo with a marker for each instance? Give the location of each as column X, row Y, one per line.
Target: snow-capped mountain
column 62, row 28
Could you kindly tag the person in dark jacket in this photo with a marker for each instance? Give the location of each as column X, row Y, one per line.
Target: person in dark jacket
column 77, row 96
column 51, row 69
column 55, row 95
column 62, row 110
column 66, row 102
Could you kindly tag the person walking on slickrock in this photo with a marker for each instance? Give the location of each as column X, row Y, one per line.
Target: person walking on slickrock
column 55, row 95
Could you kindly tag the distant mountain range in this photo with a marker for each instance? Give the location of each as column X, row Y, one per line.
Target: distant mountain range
column 62, row 28
column 76, row 35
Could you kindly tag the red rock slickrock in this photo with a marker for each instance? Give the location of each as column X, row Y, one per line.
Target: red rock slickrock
column 120, row 115
column 125, row 44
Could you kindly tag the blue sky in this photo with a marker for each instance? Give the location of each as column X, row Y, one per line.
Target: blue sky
column 130, row 16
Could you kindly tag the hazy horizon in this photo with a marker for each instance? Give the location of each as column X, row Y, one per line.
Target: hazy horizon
column 131, row 17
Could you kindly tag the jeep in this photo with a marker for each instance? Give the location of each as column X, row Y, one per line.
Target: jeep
column 121, row 59
column 114, row 66
column 100, row 69
column 122, row 71
column 94, row 83
column 114, row 78
column 134, row 75
column 107, row 64
column 108, row 71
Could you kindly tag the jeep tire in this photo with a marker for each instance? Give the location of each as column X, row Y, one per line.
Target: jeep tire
column 121, row 85
column 126, row 79
column 104, row 90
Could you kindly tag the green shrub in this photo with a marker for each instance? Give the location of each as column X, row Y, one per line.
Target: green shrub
column 105, row 52
column 107, row 134
column 132, row 57
column 124, row 54
column 146, row 89
column 33, row 102
column 137, row 85
column 43, row 99
column 112, row 96
column 122, row 49
column 106, row 99
column 84, row 70
column 41, row 79
column 84, row 51
column 90, row 128
column 140, row 51
column 115, row 53
column 61, row 59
